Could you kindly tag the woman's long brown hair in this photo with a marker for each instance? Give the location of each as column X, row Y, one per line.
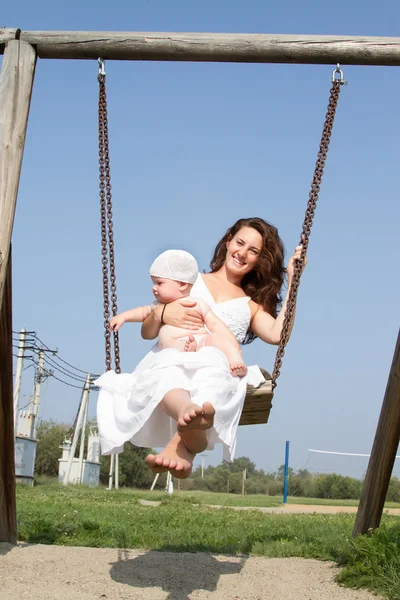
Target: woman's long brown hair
column 264, row 283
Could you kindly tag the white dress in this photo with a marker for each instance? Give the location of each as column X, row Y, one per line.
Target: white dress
column 127, row 407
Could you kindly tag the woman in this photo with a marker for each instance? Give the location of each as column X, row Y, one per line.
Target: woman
column 190, row 401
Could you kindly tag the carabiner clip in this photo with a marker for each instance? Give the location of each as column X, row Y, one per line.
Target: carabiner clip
column 102, row 71
column 338, row 71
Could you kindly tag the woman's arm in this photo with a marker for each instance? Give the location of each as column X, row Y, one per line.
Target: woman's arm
column 267, row 328
column 180, row 313
column 263, row 324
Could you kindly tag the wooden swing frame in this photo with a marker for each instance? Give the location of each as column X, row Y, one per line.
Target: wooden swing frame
column 21, row 50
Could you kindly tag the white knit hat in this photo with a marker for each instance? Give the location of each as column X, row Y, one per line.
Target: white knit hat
column 177, row 265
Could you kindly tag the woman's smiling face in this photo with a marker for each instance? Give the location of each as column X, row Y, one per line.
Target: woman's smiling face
column 243, row 251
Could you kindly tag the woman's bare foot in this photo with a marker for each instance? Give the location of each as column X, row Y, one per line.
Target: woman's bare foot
column 193, row 426
column 175, row 458
column 190, row 344
column 239, row 370
column 196, row 417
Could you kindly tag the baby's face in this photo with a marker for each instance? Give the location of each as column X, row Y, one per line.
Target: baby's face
column 167, row 290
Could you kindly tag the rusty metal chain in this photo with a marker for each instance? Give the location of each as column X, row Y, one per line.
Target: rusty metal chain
column 307, row 224
column 107, row 233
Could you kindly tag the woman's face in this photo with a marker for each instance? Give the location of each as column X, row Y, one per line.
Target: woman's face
column 243, row 251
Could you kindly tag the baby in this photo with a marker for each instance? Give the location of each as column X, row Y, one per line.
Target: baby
column 173, row 274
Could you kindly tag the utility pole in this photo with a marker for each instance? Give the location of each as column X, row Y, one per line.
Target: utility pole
column 18, row 375
column 79, row 423
column 83, row 430
column 36, row 395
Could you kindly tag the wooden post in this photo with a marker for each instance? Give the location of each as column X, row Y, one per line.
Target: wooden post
column 8, row 520
column 383, row 453
column 211, row 47
column 16, row 80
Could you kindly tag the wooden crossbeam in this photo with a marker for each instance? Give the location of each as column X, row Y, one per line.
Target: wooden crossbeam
column 210, row 47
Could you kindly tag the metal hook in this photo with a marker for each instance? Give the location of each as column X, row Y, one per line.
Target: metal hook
column 338, row 71
column 102, row 71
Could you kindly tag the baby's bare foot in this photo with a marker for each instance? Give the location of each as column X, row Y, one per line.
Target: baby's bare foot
column 239, row 370
column 190, row 344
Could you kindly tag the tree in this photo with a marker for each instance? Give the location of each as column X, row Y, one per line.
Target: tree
column 240, row 464
column 281, row 471
column 133, row 471
column 50, row 435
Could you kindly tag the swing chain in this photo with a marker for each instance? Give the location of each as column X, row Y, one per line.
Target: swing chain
column 107, row 233
column 307, row 224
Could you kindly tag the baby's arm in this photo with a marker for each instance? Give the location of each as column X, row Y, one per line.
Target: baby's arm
column 215, row 325
column 134, row 315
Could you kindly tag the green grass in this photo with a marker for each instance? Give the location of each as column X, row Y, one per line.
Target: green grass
column 77, row 516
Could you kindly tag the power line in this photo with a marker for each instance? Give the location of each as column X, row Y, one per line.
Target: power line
column 53, row 363
column 61, row 359
column 54, row 376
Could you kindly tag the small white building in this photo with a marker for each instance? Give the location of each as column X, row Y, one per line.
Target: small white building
column 25, row 449
column 87, row 471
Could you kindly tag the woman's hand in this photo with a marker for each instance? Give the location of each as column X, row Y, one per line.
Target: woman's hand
column 296, row 256
column 116, row 322
column 181, row 313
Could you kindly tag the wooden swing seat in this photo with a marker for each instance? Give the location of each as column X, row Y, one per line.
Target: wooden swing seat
column 258, row 402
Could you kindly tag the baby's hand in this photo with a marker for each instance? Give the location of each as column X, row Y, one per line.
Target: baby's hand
column 116, row 322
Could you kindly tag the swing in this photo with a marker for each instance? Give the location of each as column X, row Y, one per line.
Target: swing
column 258, row 401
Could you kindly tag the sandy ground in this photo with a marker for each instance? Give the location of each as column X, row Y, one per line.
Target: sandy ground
column 290, row 509
column 306, row 509
column 57, row 572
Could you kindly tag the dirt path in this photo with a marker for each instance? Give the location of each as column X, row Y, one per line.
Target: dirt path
column 289, row 509
column 55, row 572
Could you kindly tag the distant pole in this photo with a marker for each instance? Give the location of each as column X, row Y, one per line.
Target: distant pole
column 169, row 487
column 243, row 481
column 79, row 422
column 83, row 430
column 286, row 476
column 202, row 465
column 111, row 472
column 18, row 375
column 116, row 478
column 154, row 481
column 36, row 395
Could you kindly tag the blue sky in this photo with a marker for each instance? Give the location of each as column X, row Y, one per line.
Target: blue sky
column 193, row 148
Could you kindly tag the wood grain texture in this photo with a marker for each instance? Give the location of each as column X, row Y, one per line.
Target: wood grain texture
column 16, row 80
column 258, row 402
column 383, row 453
column 215, row 47
column 8, row 521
